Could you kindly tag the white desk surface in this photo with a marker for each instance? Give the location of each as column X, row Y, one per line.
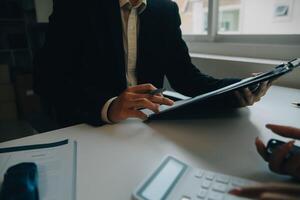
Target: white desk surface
column 113, row 159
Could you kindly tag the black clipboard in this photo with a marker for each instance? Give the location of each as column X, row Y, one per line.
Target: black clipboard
column 278, row 71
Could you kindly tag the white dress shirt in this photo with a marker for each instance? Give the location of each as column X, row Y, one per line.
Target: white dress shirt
column 130, row 24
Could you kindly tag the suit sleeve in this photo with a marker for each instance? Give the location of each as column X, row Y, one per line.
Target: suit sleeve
column 56, row 67
column 183, row 76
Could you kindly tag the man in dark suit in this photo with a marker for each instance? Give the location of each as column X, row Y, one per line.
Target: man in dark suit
column 101, row 58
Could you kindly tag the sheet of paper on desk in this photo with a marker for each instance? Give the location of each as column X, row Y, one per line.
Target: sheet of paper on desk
column 56, row 167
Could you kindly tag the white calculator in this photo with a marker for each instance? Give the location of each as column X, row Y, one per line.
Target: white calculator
column 175, row 180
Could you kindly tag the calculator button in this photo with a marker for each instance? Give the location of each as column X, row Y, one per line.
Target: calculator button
column 219, row 187
column 202, row 194
column 215, row 196
column 238, row 182
column 222, row 179
column 206, row 184
column 199, row 174
column 209, row 176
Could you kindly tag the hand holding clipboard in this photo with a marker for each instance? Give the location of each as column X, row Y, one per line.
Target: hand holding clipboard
column 269, row 76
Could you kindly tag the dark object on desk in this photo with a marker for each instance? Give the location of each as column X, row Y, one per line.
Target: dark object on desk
column 274, row 144
column 20, row 183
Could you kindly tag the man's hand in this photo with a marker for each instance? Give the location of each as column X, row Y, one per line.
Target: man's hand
column 248, row 97
column 270, row 191
column 277, row 161
column 134, row 98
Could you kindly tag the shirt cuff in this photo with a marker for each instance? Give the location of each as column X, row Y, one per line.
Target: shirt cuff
column 104, row 111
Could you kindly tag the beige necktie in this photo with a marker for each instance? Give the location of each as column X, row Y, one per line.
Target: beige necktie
column 132, row 46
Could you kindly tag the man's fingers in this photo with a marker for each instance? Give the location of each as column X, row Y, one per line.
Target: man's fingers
column 144, row 103
column 161, row 100
column 277, row 196
column 292, row 164
column 277, row 158
column 270, row 83
column 137, row 114
column 141, row 88
column 248, row 192
column 261, row 149
column 257, row 190
column 285, row 131
column 248, row 96
column 133, row 96
column 262, row 90
column 157, row 99
column 241, row 100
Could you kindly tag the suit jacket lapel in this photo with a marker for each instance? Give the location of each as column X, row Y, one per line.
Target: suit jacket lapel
column 147, row 26
column 115, row 26
column 107, row 22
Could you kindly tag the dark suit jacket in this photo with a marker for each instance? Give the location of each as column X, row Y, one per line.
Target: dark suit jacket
column 81, row 65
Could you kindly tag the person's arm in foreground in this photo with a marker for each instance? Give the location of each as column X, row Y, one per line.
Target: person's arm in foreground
column 279, row 164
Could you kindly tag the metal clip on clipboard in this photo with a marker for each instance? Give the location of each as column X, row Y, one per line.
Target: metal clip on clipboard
column 294, row 63
column 276, row 72
column 279, row 70
column 271, row 75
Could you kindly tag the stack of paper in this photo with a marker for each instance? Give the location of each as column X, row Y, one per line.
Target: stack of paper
column 56, row 167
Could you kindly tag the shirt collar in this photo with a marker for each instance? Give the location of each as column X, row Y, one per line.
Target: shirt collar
column 141, row 5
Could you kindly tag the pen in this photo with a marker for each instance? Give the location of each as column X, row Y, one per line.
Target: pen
column 296, row 104
column 154, row 92
column 157, row 91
